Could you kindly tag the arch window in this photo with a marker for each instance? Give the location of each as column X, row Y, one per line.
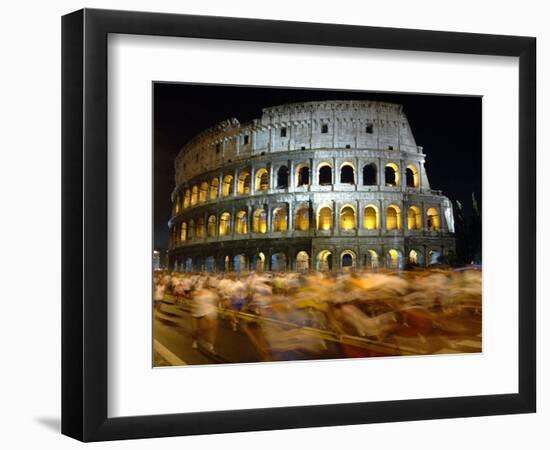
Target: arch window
column 278, row 262
column 370, row 218
column 393, row 259
column 260, row 262
column 303, row 176
column 347, row 260
column 282, row 177
column 227, row 187
column 411, row 174
column 262, row 180
column 302, row 219
column 214, row 186
column 347, row 218
column 227, row 263
column 225, row 224
column 183, row 232
column 347, row 174
column 324, row 221
column 324, row 261
column 434, row 257
column 280, row 219
column 414, row 218
column 391, row 174
column 433, row 221
column 243, row 186
column 212, row 226
column 415, row 258
column 201, row 228
column 369, row 175
column 393, row 218
column 325, row 175
column 241, row 222
column 302, row 261
column 239, row 263
column 203, row 193
column 372, row 260
column 187, row 198
column 210, row 264
column 259, row 221
column 194, row 195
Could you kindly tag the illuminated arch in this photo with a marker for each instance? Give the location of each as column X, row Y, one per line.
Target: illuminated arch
column 370, row 175
column 347, row 173
column 391, row 174
column 371, row 219
column 214, row 188
column 261, row 180
column 194, row 195
column 187, row 198
column 260, row 262
column 416, row 258
column 177, row 204
column 201, row 228
column 259, row 221
column 372, row 260
column 302, row 261
column 393, row 218
column 324, row 218
column 243, row 184
column 280, row 219
column 183, row 232
column 241, row 222
column 412, row 176
column 302, row 175
column 433, row 222
column 414, row 218
column 347, row 218
column 302, row 219
column 227, row 187
column 212, row 226
column 324, row 261
column 225, row 224
column 203, row 193
column 325, row 174
column 394, row 259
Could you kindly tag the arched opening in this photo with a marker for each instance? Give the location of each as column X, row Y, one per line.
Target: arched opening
column 225, row 224
column 203, row 194
column 177, row 204
column 411, row 174
column 394, row 259
column 194, row 195
column 302, row 261
column 370, row 219
column 187, row 198
column 201, row 228
column 183, row 232
column 188, row 265
column 214, row 187
column 239, row 263
column 227, row 187
column 391, row 174
column 303, row 176
column 372, row 260
column 282, row 177
column 241, row 222
column 433, row 223
column 347, row 218
column 212, row 226
column 347, row 174
column 227, row 264
column 347, row 260
column 259, row 221
column 324, row 221
column 262, row 180
column 191, row 230
column 434, row 257
column 260, row 262
column 243, row 186
column 280, row 219
column 302, row 219
column 210, row 264
column 278, row 262
column 369, row 175
column 416, row 258
column 325, row 175
column 414, row 218
column 324, row 261
column 393, row 218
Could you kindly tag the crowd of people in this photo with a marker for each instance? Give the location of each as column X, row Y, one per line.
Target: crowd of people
column 324, row 315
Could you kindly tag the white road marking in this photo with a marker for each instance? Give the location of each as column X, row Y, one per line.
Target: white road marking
column 173, row 359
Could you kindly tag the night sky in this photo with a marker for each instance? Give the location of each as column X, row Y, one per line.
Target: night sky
column 448, row 127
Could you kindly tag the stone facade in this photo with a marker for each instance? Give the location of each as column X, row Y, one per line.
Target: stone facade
column 308, row 186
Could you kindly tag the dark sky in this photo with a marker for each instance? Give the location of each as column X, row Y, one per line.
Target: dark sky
column 448, row 127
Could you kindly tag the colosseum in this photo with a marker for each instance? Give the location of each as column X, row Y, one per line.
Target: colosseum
column 325, row 185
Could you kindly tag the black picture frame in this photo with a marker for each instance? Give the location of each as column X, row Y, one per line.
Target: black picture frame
column 84, row 224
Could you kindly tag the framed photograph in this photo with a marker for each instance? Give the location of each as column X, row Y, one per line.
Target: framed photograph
column 273, row 224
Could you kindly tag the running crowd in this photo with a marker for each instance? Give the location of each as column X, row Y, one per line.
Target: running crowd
column 329, row 315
